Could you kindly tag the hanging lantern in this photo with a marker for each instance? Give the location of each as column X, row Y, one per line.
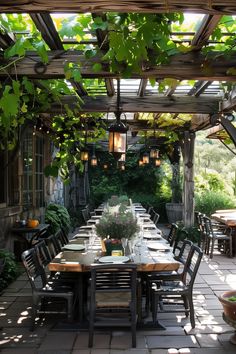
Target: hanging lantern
column 94, row 160
column 84, row 155
column 117, row 131
column 154, row 153
column 140, row 162
column 105, row 166
column 122, row 158
column 145, row 158
column 157, row 162
column 122, row 167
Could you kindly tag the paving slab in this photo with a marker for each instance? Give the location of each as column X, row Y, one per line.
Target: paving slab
column 173, row 342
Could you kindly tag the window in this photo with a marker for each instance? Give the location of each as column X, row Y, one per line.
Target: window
column 33, row 165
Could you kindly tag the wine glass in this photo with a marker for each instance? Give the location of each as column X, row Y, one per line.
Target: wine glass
column 124, row 242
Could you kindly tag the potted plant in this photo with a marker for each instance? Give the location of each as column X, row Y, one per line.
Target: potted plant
column 228, row 301
column 114, row 227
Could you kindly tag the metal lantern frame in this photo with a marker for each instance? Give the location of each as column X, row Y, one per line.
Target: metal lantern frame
column 118, row 131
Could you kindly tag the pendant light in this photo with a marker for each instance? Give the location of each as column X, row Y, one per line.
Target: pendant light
column 157, row 162
column 94, row 160
column 154, row 153
column 117, row 131
column 84, row 153
column 145, row 154
column 140, row 162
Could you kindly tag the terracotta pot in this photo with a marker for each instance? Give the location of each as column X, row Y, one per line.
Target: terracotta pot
column 32, row 223
column 229, row 307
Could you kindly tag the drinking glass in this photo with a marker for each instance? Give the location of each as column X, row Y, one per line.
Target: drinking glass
column 124, row 242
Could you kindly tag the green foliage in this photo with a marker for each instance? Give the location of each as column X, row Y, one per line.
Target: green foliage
column 10, row 270
column 58, row 217
column 191, row 233
column 117, row 226
column 116, row 200
column 209, row 201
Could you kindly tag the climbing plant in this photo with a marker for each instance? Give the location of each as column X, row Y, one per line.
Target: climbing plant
column 132, row 42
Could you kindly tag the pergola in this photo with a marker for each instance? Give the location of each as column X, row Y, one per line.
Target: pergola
column 203, row 99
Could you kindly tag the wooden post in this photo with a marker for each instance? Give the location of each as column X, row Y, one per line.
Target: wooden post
column 188, row 192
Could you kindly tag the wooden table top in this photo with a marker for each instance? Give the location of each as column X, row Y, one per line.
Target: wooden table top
column 147, row 259
column 227, row 217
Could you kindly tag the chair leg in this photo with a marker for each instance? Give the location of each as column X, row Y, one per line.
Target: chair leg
column 91, row 327
column 186, row 305
column 70, row 309
column 191, row 310
column 212, row 247
column 154, row 306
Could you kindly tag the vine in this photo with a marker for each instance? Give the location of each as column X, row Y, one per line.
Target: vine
column 132, row 42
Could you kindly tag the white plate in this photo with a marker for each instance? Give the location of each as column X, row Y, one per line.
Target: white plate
column 74, row 247
column 156, row 246
column 114, row 259
column 148, row 236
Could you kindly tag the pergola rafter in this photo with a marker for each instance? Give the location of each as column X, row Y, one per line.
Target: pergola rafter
column 146, row 6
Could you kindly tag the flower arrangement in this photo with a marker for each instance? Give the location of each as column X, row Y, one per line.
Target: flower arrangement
column 117, row 226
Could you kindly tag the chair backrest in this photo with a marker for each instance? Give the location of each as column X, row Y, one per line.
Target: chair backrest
column 60, row 239
column 85, row 214
column 208, row 226
column 150, row 210
column 156, row 218
column 172, row 234
column 191, row 265
column 183, row 248
column 50, row 242
column 43, row 253
column 34, row 269
column 114, row 278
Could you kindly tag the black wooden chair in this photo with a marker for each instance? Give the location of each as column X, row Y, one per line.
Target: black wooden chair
column 216, row 236
column 171, row 237
column 43, row 291
column 178, row 290
column 182, row 251
column 113, row 298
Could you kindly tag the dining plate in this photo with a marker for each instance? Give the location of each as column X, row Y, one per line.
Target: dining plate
column 156, row 246
column 74, row 247
column 114, row 259
column 156, row 237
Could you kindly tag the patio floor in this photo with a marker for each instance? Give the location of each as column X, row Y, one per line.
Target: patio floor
column 211, row 332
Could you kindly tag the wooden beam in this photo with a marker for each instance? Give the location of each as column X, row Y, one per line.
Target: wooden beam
column 188, row 66
column 142, row 87
column 6, row 40
column 79, row 88
column 204, row 32
column 148, row 6
column 102, row 38
column 199, row 87
column 154, row 103
column 45, row 25
column 230, row 104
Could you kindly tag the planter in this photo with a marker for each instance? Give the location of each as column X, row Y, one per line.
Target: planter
column 229, row 307
column 229, row 314
column 174, row 212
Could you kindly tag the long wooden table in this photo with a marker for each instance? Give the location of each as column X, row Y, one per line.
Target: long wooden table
column 80, row 262
column 227, row 217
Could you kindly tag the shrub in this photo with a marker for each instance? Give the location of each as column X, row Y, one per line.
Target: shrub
column 10, row 271
column 58, row 217
column 209, row 201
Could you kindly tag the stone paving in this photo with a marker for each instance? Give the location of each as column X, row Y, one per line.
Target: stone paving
column 211, row 332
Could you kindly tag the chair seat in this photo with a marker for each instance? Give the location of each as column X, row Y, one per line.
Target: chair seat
column 168, row 288
column 118, row 299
